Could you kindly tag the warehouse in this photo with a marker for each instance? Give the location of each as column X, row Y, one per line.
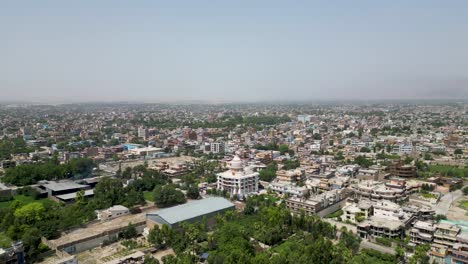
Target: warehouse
column 189, row 212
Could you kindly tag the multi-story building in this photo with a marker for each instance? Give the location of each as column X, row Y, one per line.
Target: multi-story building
column 422, row 232
column 375, row 190
column 238, row 180
column 401, row 170
column 446, row 234
column 290, row 176
column 356, row 212
column 217, row 147
column 317, row 203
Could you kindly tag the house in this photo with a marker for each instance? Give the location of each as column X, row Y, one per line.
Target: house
column 112, row 212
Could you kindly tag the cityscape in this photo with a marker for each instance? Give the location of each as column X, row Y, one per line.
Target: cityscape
column 233, row 132
column 234, row 183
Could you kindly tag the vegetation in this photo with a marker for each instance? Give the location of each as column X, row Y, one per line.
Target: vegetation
column 32, row 173
column 165, row 196
column 13, row 146
column 237, row 238
column 269, row 173
column 291, row 164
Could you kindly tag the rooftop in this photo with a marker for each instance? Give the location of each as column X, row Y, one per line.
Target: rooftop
column 70, row 196
column 62, row 185
column 192, row 209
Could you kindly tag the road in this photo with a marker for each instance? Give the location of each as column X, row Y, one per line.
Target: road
column 383, row 249
column 446, row 201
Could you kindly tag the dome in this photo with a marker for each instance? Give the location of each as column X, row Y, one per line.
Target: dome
column 236, row 163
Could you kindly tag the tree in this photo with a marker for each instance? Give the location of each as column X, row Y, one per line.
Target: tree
column 465, row 190
column 167, row 196
column 150, row 260
column 30, row 213
column 269, row 173
column 155, row 237
column 193, row 192
column 365, row 149
column 108, row 192
column 283, row 149
column 420, row 254
column 129, row 232
column 458, row 152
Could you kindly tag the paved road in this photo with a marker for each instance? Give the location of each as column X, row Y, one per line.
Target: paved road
column 446, row 201
column 383, row 249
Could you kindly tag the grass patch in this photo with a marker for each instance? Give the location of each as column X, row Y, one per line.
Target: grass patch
column 429, row 195
column 335, row 214
column 5, row 241
column 464, row 204
column 149, row 196
column 24, row 200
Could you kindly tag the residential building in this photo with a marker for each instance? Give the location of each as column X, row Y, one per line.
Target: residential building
column 112, row 212
column 422, row 232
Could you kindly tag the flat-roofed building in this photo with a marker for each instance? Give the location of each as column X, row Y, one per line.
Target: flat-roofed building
column 422, row 232
column 112, row 212
column 189, row 212
column 95, row 234
column 354, row 212
column 54, row 188
column 446, row 234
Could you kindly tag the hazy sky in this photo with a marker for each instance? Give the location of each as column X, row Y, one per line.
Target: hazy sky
column 232, row 50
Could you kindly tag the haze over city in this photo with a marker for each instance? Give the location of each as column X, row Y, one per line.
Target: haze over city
column 59, row 51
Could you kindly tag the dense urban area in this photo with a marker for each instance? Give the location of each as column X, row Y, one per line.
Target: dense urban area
column 380, row 182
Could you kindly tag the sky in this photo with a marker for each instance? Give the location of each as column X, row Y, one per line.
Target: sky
column 231, row 51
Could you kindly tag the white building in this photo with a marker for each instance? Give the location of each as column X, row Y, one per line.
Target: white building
column 143, row 133
column 303, row 118
column 112, row 212
column 217, row 147
column 238, row 180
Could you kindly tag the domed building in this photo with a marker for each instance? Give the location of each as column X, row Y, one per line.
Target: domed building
column 238, row 180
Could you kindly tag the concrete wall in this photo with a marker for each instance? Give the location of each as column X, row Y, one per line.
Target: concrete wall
column 332, row 209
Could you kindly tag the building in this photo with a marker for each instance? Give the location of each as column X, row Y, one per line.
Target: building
column 189, row 212
column 143, row 133
column 446, row 234
column 388, row 220
column 356, row 212
column 401, row 170
column 217, row 147
column 374, row 190
column 54, row 188
column 112, row 212
column 381, row 227
column 238, row 180
column 95, row 234
column 290, row 176
column 422, row 232
column 71, row 197
column 321, row 204
column 304, row 118
column 287, row 188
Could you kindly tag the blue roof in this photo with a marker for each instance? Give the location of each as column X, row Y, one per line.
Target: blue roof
column 190, row 210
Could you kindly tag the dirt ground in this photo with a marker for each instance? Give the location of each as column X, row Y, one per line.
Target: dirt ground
column 457, row 213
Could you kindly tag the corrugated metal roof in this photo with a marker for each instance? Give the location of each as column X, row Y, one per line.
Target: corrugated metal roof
column 191, row 210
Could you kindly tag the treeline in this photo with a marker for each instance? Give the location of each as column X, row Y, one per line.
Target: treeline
column 240, row 238
column 27, row 174
column 13, row 146
column 226, row 122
